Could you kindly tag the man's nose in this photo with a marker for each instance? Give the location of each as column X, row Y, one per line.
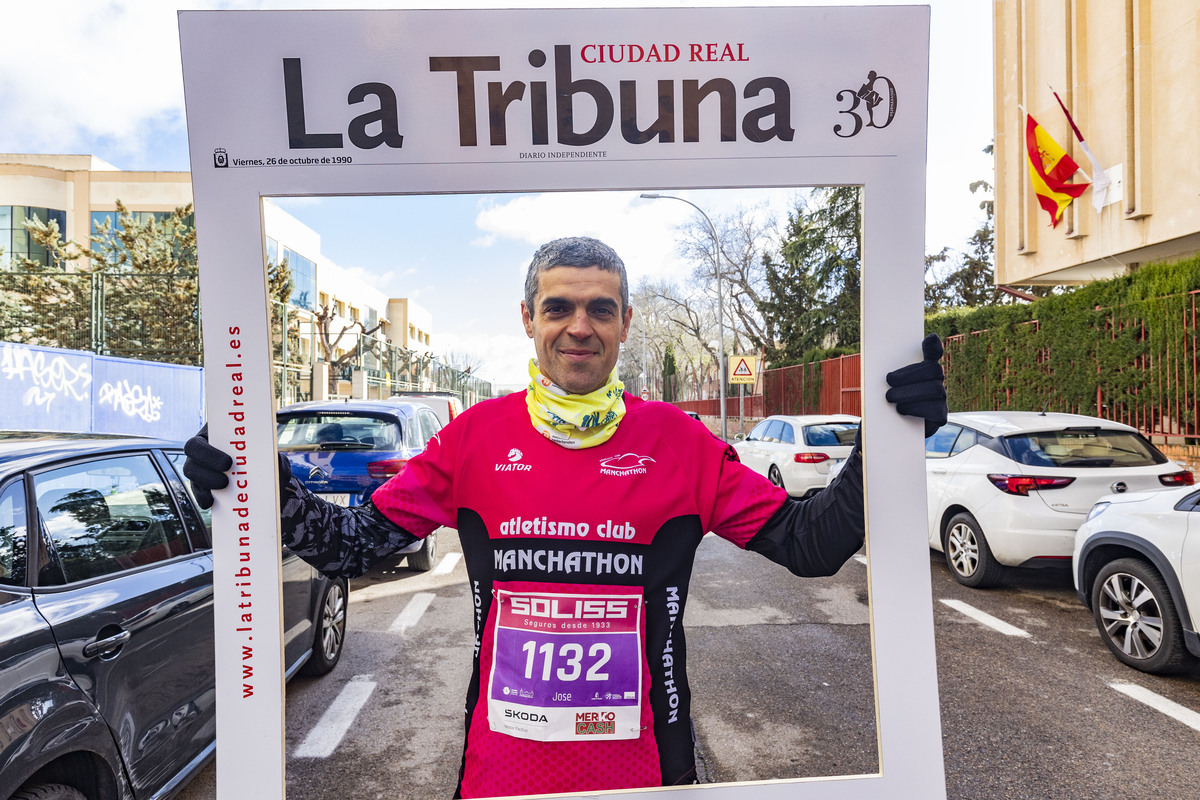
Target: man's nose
column 581, row 325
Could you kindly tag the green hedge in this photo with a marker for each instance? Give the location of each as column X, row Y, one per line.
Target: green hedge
column 1123, row 348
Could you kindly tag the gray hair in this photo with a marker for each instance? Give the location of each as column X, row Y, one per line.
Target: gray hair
column 574, row 251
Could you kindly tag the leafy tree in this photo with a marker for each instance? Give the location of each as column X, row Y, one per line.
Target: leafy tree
column 815, row 281
column 284, row 317
column 669, row 370
column 138, row 296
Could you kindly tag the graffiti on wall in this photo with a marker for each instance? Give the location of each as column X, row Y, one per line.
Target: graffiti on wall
column 49, row 377
column 44, row 389
column 132, row 400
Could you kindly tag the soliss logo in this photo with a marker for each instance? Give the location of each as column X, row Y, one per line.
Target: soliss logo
column 1119, row 487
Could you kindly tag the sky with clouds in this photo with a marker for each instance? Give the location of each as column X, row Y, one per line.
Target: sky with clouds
column 104, row 78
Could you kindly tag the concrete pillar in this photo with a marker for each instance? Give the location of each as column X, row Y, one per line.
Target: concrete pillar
column 320, row 381
column 358, row 384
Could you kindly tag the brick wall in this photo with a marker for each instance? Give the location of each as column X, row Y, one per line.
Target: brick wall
column 1188, row 454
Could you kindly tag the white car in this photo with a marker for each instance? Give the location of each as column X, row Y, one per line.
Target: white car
column 1137, row 567
column 1010, row 488
column 446, row 405
column 797, row 452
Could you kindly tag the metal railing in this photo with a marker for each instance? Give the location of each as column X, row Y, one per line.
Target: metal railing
column 157, row 318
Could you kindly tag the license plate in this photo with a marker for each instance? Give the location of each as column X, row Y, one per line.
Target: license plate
column 337, row 498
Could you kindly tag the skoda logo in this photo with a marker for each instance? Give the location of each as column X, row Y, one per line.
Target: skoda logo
column 1119, row 487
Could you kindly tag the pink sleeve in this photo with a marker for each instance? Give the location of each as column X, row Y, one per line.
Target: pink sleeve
column 421, row 497
column 738, row 499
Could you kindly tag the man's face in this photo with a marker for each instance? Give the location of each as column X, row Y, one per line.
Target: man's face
column 577, row 326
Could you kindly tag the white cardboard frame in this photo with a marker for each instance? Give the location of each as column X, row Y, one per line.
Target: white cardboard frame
column 234, row 82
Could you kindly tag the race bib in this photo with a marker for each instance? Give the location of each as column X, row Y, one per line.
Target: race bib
column 566, row 667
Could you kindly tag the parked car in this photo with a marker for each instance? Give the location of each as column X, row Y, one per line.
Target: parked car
column 1010, row 488
column 106, row 609
column 345, row 450
column 1137, row 567
column 693, row 415
column 797, row 452
column 446, row 405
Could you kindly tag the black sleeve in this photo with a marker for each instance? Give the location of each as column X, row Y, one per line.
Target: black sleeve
column 815, row 536
column 337, row 541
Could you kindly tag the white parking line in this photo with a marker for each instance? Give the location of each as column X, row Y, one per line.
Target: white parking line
column 412, row 612
column 986, row 618
column 447, row 564
column 329, row 731
column 1159, row 703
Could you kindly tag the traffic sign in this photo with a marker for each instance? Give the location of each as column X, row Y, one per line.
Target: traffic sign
column 745, row 369
column 645, row 393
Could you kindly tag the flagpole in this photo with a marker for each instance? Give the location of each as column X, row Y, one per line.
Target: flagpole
column 1102, row 181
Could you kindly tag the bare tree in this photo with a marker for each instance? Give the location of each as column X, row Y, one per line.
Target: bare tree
column 466, row 363
column 330, row 342
column 685, row 319
column 746, row 238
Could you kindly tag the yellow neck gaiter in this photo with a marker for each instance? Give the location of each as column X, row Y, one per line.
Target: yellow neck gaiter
column 574, row 421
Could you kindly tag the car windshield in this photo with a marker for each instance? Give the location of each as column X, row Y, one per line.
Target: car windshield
column 830, row 434
column 319, row 431
column 1083, row 447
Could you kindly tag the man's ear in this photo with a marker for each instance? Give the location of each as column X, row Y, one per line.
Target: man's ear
column 527, row 320
column 624, row 324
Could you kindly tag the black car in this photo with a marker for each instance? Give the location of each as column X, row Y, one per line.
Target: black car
column 107, row 677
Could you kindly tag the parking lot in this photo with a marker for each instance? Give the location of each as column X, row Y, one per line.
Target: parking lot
column 1033, row 706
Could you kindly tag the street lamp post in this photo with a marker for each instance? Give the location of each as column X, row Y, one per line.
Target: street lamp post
column 720, row 302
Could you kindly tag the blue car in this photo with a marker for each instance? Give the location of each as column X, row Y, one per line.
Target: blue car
column 343, row 450
column 107, row 677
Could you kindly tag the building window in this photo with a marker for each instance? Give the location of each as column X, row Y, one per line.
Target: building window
column 304, row 273
column 15, row 240
column 339, row 307
column 353, row 314
column 323, row 300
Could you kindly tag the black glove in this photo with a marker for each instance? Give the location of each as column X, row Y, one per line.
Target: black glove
column 205, row 467
column 919, row 390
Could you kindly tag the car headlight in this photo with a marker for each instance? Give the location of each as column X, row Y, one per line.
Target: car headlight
column 1097, row 510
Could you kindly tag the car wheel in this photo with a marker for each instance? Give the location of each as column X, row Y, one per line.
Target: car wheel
column 774, row 476
column 1137, row 619
column 422, row 560
column 49, row 791
column 331, row 631
column 968, row 555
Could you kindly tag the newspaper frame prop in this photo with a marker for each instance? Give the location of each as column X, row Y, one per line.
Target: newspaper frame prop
column 286, row 103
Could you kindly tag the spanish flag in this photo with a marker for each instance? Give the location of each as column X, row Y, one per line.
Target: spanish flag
column 1050, row 167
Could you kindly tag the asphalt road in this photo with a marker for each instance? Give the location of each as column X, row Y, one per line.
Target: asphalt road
column 781, row 678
